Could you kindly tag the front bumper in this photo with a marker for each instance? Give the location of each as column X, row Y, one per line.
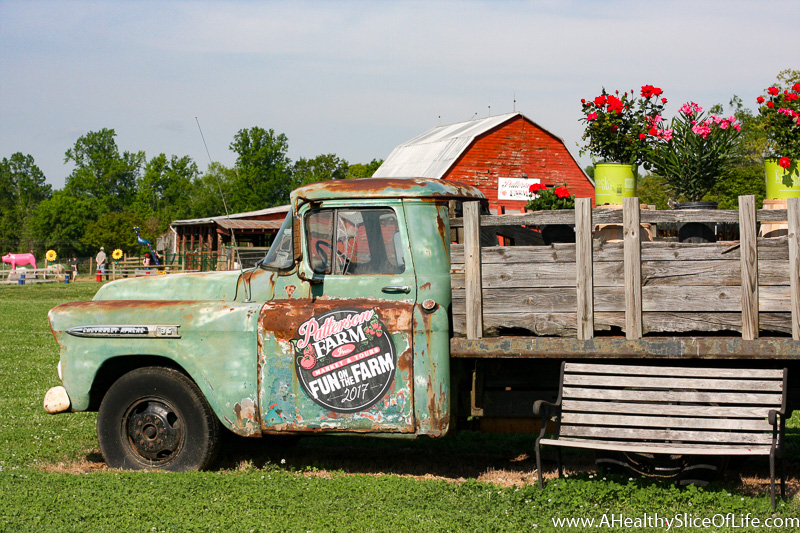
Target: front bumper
column 57, row 400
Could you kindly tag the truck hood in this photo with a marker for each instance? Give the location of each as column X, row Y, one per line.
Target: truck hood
column 194, row 286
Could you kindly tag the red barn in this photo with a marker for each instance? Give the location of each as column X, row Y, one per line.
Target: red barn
column 500, row 155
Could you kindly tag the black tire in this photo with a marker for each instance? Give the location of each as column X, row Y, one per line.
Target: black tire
column 156, row 418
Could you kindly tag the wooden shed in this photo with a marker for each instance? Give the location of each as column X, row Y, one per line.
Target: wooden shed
column 501, row 155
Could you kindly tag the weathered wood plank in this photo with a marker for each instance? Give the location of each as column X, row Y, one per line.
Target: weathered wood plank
column 632, row 267
column 568, row 417
column 690, row 383
column 667, row 396
column 564, row 324
column 739, row 411
column 721, row 437
column 472, row 270
column 775, row 249
column 612, row 299
column 749, row 259
column 610, row 274
column 584, row 273
column 651, row 348
column 676, row 371
column 655, row 447
column 614, row 216
column 794, row 263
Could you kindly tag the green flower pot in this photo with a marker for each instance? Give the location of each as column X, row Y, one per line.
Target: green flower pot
column 613, row 182
column 775, row 175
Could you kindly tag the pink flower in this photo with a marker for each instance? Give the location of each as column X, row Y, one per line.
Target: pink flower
column 690, row 108
column 785, row 162
column 591, row 116
column 786, row 111
column 737, row 127
column 666, row 134
column 724, row 124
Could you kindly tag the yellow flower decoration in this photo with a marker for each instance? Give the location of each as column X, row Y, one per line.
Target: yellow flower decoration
column 117, row 254
column 50, row 255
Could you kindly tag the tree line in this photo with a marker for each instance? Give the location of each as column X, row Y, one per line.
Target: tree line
column 111, row 191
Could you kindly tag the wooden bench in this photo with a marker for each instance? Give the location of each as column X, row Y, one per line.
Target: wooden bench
column 668, row 410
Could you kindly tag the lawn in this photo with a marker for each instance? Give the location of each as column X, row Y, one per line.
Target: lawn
column 53, row 479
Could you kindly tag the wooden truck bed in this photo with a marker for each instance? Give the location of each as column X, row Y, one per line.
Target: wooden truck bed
column 627, row 298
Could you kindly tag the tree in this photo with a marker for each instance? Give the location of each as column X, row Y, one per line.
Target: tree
column 114, row 230
column 60, row 221
column 212, row 191
column 360, row 170
column 163, row 193
column 321, row 168
column 101, row 172
column 24, row 188
column 263, row 170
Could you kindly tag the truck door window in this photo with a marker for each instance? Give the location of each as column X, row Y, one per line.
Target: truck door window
column 354, row 242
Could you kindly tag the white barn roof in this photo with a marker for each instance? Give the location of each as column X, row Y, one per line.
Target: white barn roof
column 431, row 154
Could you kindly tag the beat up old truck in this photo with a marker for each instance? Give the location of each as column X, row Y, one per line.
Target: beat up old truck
column 387, row 307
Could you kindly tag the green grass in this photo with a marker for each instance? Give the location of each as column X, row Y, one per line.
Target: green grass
column 323, row 484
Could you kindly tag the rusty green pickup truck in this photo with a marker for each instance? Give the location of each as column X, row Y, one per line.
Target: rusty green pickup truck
column 369, row 315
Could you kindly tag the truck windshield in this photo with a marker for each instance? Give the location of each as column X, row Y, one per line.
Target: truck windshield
column 280, row 253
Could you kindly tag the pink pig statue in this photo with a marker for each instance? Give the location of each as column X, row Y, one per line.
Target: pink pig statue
column 19, row 259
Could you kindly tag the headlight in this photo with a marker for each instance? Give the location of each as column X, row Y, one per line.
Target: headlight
column 60, row 376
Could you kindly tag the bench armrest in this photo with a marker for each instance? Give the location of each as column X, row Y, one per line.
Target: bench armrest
column 772, row 416
column 543, row 409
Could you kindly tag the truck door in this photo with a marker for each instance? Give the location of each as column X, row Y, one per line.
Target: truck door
column 345, row 358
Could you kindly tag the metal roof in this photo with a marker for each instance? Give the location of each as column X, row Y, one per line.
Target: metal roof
column 222, row 220
column 386, row 188
column 249, row 224
column 431, row 154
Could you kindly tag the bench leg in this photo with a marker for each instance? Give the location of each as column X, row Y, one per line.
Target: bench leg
column 539, row 465
column 783, row 478
column 772, row 478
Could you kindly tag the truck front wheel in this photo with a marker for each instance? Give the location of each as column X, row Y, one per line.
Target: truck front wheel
column 156, row 418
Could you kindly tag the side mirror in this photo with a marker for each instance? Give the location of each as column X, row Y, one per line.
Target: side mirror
column 297, row 239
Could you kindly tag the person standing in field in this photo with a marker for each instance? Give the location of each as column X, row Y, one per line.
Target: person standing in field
column 101, row 262
column 74, row 265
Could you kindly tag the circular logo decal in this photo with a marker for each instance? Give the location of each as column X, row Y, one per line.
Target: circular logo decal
column 344, row 359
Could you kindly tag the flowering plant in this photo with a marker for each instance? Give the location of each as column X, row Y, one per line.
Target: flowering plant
column 543, row 198
column 116, row 254
column 619, row 129
column 695, row 152
column 781, row 113
column 50, row 255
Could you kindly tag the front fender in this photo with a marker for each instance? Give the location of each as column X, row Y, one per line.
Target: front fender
column 215, row 343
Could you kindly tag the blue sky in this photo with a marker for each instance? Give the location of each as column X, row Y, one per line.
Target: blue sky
column 356, row 78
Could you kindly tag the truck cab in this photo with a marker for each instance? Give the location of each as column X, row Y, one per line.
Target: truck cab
column 343, row 327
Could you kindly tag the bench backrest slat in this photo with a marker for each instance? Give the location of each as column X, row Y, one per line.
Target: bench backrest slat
column 677, row 371
column 664, row 396
column 739, row 424
column 655, row 409
column 673, row 383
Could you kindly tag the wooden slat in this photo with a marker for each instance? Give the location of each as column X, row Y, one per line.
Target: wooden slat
column 658, row 409
column 564, row 324
column 472, row 269
column 650, row 382
column 772, row 248
column 584, row 278
column 594, row 419
column 794, row 263
column 666, row 396
column 613, row 216
column 749, row 259
column 633, row 268
column 665, row 448
column 726, row 437
column 677, row 371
